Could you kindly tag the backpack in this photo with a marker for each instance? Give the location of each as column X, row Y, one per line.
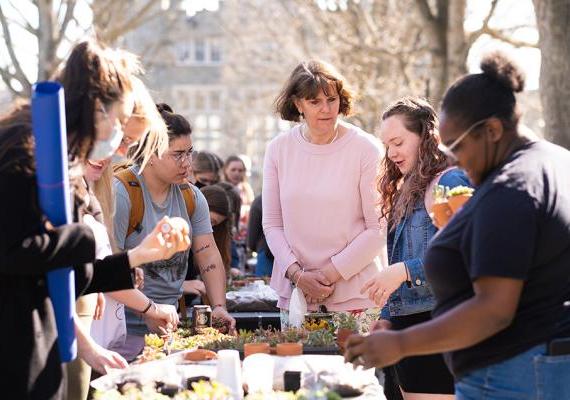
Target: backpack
column 133, row 187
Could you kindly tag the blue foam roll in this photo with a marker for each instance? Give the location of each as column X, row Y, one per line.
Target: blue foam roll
column 48, row 122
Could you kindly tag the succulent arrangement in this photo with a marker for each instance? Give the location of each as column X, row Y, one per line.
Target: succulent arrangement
column 323, row 338
column 442, row 193
column 345, row 320
column 207, row 390
column 460, row 190
column 211, row 339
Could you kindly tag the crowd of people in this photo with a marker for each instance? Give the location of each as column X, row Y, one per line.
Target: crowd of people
column 475, row 308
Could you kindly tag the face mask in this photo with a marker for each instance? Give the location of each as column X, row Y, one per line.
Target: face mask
column 106, row 148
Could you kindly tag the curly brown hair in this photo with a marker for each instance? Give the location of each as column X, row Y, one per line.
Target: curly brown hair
column 399, row 194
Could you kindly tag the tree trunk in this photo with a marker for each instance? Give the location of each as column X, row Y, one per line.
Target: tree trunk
column 553, row 20
column 46, row 38
column 449, row 45
column 457, row 47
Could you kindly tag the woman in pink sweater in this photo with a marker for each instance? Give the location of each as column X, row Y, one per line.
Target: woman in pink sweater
column 319, row 202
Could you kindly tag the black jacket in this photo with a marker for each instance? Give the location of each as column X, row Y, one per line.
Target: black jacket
column 30, row 367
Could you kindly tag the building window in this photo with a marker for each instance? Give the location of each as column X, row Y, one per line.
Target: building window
column 214, row 122
column 183, row 100
column 183, row 53
column 215, row 100
column 199, row 101
column 199, row 51
column 201, row 122
column 215, row 52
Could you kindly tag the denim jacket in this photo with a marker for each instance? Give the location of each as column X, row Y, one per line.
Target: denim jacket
column 408, row 243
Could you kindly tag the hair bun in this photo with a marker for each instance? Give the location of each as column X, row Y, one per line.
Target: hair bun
column 164, row 107
column 498, row 66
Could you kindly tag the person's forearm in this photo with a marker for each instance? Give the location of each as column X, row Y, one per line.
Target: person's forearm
column 359, row 253
column 110, row 274
column 463, row 326
column 84, row 341
column 132, row 298
column 214, row 275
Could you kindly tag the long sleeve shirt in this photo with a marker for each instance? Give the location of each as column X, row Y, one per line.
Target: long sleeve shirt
column 320, row 206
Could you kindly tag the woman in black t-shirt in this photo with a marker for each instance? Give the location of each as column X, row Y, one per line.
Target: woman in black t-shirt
column 500, row 269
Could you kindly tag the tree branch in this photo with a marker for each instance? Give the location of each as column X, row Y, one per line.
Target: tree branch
column 26, row 24
column 425, row 10
column 473, row 36
column 137, row 20
column 7, row 79
column 20, row 76
column 500, row 35
column 66, row 19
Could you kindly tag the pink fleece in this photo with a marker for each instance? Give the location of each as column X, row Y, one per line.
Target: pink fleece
column 319, row 206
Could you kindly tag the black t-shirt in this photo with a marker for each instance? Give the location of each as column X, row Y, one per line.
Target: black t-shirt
column 517, row 225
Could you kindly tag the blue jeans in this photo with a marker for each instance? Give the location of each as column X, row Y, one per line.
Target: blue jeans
column 531, row 375
column 264, row 265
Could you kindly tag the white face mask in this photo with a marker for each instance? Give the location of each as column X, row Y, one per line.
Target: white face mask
column 106, row 148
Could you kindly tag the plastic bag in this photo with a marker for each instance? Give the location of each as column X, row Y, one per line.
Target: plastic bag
column 297, row 308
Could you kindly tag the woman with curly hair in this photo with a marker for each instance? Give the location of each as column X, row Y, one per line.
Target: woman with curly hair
column 411, row 164
column 499, row 270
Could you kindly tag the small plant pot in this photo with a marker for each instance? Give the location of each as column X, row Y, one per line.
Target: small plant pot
column 341, row 335
column 253, row 348
column 289, row 349
column 441, row 213
column 456, row 202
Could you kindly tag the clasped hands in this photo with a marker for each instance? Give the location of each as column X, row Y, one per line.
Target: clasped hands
column 317, row 284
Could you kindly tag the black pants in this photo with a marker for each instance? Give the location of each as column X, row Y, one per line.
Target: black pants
column 421, row 374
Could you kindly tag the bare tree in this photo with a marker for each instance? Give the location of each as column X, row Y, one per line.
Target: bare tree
column 58, row 27
column 553, row 20
column 385, row 48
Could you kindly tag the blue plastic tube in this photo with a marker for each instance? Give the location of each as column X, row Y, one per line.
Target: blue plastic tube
column 48, row 122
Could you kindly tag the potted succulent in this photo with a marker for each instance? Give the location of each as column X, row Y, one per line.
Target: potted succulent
column 289, row 349
column 346, row 324
column 320, row 339
column 290, row 342
column 458, row 196
column 255, row 347
column 441, row 210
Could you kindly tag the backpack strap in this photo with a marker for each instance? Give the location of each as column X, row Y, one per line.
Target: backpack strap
column 189, row 198
column 134, row 190
column 428, row 196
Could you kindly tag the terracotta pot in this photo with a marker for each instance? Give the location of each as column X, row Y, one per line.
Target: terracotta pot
column 341, row 335
column 289, row 349
column 456, row 202
column 252, row 348
column 441, row 214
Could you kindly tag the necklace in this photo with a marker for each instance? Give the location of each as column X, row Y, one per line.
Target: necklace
column 307, row 139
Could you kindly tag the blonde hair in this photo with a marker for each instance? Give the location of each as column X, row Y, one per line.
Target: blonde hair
column 155, row 139
column 103, row 190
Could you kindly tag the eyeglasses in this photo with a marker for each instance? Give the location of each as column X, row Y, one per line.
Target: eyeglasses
column 181, row 156
column 449, row 150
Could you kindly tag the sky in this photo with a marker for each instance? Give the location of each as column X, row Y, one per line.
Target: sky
column 508, row 14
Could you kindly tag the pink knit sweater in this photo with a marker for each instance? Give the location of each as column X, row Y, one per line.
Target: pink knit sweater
column 319, row 205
